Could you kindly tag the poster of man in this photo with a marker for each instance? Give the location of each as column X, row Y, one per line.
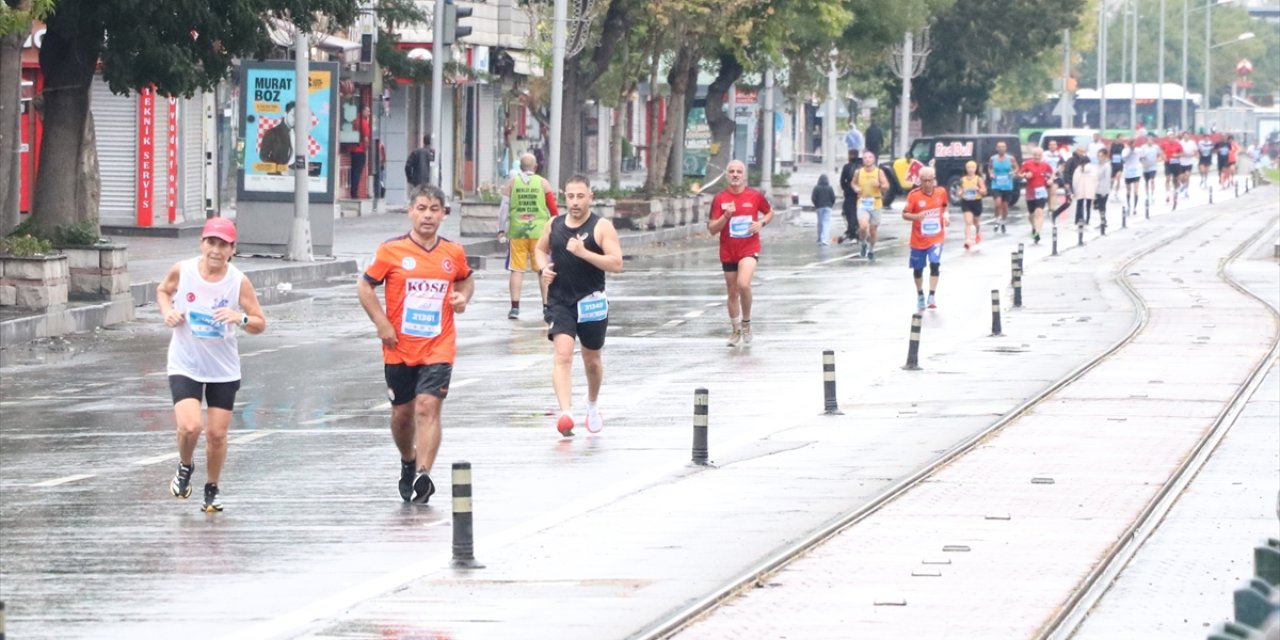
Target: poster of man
column 270, row 102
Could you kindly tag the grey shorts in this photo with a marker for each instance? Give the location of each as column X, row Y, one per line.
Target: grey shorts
column 872, row 217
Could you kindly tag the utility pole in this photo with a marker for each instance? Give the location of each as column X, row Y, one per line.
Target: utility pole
column 300, row 235
column 1133, row 74
column 1160, row 72
column 439, row 57
column 1066, row 79
column 1182, row 124
column 766, row 160
column 1102, row 66
column 558, row 36
column 904, row 118
column 831, row 131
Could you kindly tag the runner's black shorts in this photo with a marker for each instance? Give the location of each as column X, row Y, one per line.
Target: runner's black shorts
column 1149, row 175
column 218, row 395
column 408, row 381
column 1116, row 169
column 1171, row 169
column 564, row 320
column 971, row 206
column 1206, row 161
column 732, row 267
column 1131, row 180
column 1037, row 203
column 1002, row 194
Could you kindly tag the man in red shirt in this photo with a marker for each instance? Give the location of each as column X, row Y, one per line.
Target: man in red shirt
column 1037, row 173
column 428, row 281
column 1171, row 149
column 738, row 214
column 927, row 210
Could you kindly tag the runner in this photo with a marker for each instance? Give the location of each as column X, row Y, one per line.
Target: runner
column 1149, row 156
column 1103, row 189
column 204, row 299
column 927, row 210
column 738, row 214
column 573, row 255
column 1187, row 161
column 869, row 184
column 1171, row 151
column 528, row 201
column 1117, row 162
column 1131, row 168
column 1204, row 146
column 1054, row 159
column 1000, row 172
column 1222, row 155
column 1037, row 173
column 972, row 189
column 428, row 281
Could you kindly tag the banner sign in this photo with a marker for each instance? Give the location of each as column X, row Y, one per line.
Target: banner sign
column 268, row 98
column 172, row 173
column 146, row 158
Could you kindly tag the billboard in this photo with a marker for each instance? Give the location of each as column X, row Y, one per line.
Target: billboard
column 268, row 98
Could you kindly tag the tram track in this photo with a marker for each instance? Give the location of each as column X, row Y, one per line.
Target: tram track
column 1069, row 615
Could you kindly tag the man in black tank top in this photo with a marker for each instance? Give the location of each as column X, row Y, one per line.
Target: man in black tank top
column 572, row 256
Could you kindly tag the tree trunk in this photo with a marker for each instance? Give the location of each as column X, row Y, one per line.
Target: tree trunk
column 615, row 142
column 722, row 124
column 10, row 130
column 68, row 57
column 675, row 172
column 678, row 80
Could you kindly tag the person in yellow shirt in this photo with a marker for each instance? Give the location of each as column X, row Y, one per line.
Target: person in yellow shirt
column 972, row 189
column 870, row 183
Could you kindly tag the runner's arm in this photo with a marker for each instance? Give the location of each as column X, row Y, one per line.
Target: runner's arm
column 504, row 211
column 369, row 301
column 252, row 310
column 542, row 251
column 550, row 195
column 606, row 235
column 462, row 292
column 716, row 223
column 164, row 297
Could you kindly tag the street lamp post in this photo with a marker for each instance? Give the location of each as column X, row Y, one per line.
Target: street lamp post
column 1133, row 72
column 1160, row 73
column 830, row 130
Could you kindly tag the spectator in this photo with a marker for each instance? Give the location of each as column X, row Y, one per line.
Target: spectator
column 417, row 169
column 823, row 198
column 874, row 138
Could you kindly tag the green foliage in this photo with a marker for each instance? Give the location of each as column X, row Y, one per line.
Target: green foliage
column 781, row 179
column 79, row 234
column 489, row 193
column 16, row 20
column 25, row 246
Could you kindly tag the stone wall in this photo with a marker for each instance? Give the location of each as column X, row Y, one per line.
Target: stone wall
column 38, row 283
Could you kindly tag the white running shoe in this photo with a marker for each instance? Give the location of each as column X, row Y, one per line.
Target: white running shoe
column 735, row 337
column 594, row 421
column 746, row 333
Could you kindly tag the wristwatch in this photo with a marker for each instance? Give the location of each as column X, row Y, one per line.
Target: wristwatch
column 244, row 319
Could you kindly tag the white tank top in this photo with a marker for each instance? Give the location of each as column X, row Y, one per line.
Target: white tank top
column 200, row 348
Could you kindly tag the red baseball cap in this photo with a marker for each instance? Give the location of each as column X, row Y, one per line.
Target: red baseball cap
column 220, row 228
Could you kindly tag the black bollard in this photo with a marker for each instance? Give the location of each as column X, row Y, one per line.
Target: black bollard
column 829, row 384
column 996, row 328
column 913, row 348
column 1021, row 254
column 700, row 407
column 1013, row 266
column 1079, row 235
column 1055, row 240
column 1124, row 217
column 1017, row 287
column 464, row 556
column 1237, row 186
column 1210, row 194
column 1102, row 222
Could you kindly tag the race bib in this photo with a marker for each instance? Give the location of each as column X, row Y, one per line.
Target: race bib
column 868, row 204
column 203, row 325
column 970, row 194
column 593, row 308
column 1004, row 183
column 423, row 305
column 1042, row 193
column 931, row 226
column 740, row 226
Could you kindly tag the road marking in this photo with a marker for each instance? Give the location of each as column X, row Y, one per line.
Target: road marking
column 672, row 323
column 250, row 437
column 713, row 304
column 57, row 481
column 155, row 459
column 695, row 314
column 641, row 334
column 156, row 374
column 464, row 383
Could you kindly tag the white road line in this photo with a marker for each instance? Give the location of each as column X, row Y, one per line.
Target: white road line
column 464, row 383
column 713, row 304
column 695, row 314
column 155, row 459
column 641, row 334
column 250, row 437
column 156, row 374
column 672, row 323
column 57, row 481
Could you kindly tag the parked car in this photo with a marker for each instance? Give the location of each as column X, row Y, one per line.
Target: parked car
column 1067, row 138
column 947, row 154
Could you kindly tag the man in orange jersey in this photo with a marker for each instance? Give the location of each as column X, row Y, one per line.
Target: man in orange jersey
column 927, row 210
column 428, row 281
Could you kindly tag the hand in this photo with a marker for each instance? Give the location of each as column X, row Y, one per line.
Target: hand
column 755, row 227
column 548, row 274
column 458, row 301
column 227, row 316
column 174, row 318
column 502, row 237
column 575, row 245
column 387, row 334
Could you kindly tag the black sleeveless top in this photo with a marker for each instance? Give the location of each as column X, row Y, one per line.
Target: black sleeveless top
column 575, row 278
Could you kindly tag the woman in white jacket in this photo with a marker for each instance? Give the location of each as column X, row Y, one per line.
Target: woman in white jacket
column 1084, row 185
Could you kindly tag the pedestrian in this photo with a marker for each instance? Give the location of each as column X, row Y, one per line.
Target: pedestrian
column 1000, row 170
column 1131, row 172
column 849, row 202
column 1084, row 183
column 358, row 150
column 853, row 139
column 572, row 255
column 1038, row 175
column 1102, row 190
column 823, row 198
column 870, row 184
column 417, row 169
column 428, row 281
column 1149, row 157
column 972, row 190
column 528, row 202
column 927, row 211
column 204, row 299
column 874, row 137
column 738, row 213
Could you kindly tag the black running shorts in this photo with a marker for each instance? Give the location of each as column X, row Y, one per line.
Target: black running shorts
column 218, row 395
column 408, row 381
column 564, row 320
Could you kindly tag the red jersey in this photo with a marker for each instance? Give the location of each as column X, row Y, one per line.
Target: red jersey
column 419, row 281
column 930, row 230
column 1171, row 148
column 1038, row 173
column 736, row 241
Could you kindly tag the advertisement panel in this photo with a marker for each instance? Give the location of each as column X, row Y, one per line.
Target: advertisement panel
column 268, row 98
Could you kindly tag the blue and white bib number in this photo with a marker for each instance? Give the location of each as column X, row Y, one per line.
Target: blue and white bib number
column 1004, row 183
column 740, row 226
column 593, row 308
column 1042, row 193
column 203, row 325
column 867, row 204
column 423, row 307
column 970, row 194
column 931, row 226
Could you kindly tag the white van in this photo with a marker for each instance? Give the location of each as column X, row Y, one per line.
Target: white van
column 1068, row 138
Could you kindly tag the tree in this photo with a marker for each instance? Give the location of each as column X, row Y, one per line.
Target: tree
column 175, row 47
column 971, row 54
column 15, row 24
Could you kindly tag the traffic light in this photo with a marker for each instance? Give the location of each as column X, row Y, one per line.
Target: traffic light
column 452, row 30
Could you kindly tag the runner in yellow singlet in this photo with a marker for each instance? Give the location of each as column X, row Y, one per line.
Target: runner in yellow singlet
column 869, row 183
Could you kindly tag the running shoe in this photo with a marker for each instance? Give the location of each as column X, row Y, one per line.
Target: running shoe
column 1036, row 237
column 966, row 246
column 746, row 332
column 407, row 470
column 735, row 337
column 423, row 487
column 862, row 250
column 931, row 303
column 565, row 424
column 180, row 486
column 514, row 313
column 211, row 502
column 871, row 255
column 977, row 239
column 594, row 422
column 920, row 302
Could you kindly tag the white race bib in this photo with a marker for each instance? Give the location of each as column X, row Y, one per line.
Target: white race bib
column 593, row 308
column 970, row 194
column 1004, row 182
column 203, row 325
column 931, row 225
column 740, row 226
column 423, row 304
column 868, row 204
column 1042, row 193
